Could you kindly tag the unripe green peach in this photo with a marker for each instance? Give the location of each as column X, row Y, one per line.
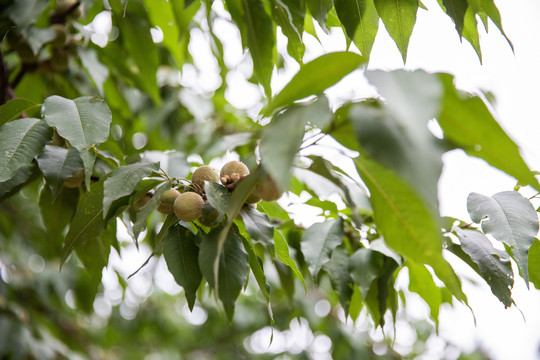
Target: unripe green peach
column 166, row 201
column 268, row 190
column 188, row 206
column 75, row 180
column 202, row 174
column 232, row 168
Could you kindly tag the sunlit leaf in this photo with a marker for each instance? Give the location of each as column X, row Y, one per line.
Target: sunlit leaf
column 361, row 22
column 399, row 18
column 283, row 16
column 315, row 77
column 282, row 252
column 407, row 224
column 468, row 123
column 509, row 218
column 422, row 283
column 534, row 263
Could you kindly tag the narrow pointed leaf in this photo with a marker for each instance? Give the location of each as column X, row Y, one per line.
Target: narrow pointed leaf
column 467, row 122
column 58, row 164
column 123, row 180
column 470, row 32
column 509, row 218
column 315, row 77
column 282, row 252
column 284, row 18
column 181, row 254
column 162, row 15
column 408, row 226
column 422, row 283
column 361, row 22
column 399, row 18
column 319, row 10
column 534, row 263
column 20, row 142
column 261, row 40
column 494, row 265
column 485, row 9
column 57, row 213
column 318, row 242
column 456, row 10
column 233, row 266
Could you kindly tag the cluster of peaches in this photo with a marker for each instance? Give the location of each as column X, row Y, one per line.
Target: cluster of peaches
column 192, row 205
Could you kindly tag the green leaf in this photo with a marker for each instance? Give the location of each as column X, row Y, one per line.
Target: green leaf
column 139, row 44
column 468, row 123
column 284, row 18
column 494, row 265
column 470, row 32
column 58, row 164
column 181, row 254
column 258, row 227
column 397, row 135
column 338, row 270
column 57, row 213
column 314, row 77
column 84, row 122
column 456, row 10
column 261, row 39
column 20, row 142
column 18, row 180
column 218, row 196
column 509, row 218
column 281, row 140
column 162, row 15
column 364, row 266
column 422, row 283
column 319, row 10
column 534, row 263
column 123, row 180
column 233, row 266
column 485, row 9
column 361, row 22
column 88, row 223
column 381, row 295
column 255, row 263
column 282, row 252
column 407, row 224
column 12, row 109
column 399, row 17
column 318, row 242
